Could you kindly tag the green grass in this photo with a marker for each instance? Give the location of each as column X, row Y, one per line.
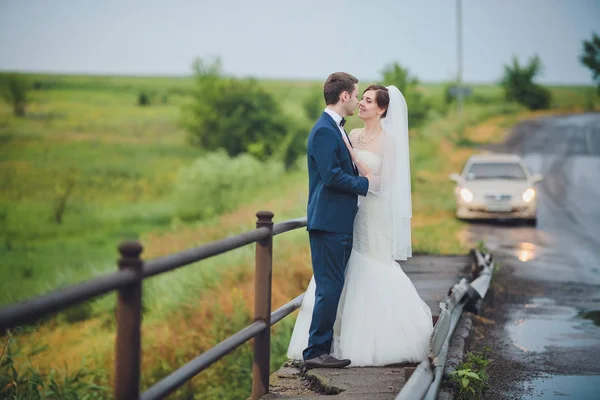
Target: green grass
column 123, row 162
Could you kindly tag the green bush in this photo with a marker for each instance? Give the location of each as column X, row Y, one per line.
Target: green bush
column 236, row 115
column 14, row 88
column 293, row 146
column 216, row 183
column 78, row 312
column 590, row 57
column 314, row 104
column 418, row 105
column 448, row 97
column 518, row 84
column 471, row 377
column 143, row 98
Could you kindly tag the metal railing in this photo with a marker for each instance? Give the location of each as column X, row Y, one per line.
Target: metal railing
column 425, row 381
column 127, row 281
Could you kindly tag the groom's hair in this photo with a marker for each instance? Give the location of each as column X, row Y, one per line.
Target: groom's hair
column 336, row 84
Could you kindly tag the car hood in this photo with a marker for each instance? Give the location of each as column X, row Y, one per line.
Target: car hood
column 497, row 186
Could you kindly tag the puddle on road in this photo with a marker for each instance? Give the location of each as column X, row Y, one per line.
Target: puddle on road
column 523, row 251
column 579, row 387
column 542, row 323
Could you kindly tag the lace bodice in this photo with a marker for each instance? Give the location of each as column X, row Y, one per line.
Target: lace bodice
column 372, row 159
column 372, row 223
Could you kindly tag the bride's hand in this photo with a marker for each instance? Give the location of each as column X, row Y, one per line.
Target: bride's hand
column 362, row 167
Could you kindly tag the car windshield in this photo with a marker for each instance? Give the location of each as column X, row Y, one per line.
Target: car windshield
column 495, row 171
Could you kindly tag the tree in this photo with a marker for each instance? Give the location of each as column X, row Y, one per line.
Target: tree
column 294, row 145
column 143, row 98
column 14, row 89
column 518, row 84
column 233, row 114
column 313, row 104
column 590, row 57
column 418, row 105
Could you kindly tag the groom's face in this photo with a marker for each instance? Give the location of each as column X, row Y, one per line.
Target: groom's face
column 352, row 102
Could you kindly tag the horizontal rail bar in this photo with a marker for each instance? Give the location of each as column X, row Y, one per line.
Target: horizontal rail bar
column 210, row 355
column 290, row 225
column 173, row 261
column 203, row 361
column 286, row 309
column 32, row 309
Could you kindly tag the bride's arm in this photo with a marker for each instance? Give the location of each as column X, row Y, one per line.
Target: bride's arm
column 363, row 168
column 376, row 183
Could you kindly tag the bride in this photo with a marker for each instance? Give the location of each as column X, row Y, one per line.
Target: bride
column 381, row 318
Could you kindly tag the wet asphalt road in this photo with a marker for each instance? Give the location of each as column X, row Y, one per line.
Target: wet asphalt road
column 546, row 337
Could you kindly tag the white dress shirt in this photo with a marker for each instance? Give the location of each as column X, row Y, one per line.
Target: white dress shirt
column 338, row 118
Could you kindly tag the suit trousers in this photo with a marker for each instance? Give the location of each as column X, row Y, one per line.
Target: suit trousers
column 330, row 253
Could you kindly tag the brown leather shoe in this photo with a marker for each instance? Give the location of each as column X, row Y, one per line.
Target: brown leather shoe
column 326, row 361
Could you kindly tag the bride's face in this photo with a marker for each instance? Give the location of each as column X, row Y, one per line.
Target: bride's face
column 368, row 108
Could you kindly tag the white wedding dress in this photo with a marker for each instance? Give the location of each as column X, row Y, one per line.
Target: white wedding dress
column 381, row 318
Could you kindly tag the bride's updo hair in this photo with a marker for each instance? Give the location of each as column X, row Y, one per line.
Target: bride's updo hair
column 382, row 97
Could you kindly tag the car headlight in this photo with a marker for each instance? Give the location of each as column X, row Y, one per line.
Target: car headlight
column 466, row 195
column 528, row 195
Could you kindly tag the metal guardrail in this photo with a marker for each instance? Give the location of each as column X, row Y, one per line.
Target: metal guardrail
column 32, row 309
column 128, row 284
column 206, row 359
column 425, row 381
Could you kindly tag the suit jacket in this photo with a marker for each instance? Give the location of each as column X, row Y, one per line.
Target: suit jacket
column 333, row 184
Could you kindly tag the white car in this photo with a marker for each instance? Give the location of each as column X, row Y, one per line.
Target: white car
column 494, row 186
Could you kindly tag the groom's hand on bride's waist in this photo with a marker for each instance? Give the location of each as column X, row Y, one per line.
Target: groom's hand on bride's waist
column 363, row 168
column 369, row 178
column 365, row 171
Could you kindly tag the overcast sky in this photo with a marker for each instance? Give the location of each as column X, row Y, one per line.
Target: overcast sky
column 307, row 39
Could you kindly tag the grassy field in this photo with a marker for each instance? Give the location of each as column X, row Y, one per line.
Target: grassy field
column 89, row 167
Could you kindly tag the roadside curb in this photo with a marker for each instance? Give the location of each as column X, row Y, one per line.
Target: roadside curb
column 456, row 351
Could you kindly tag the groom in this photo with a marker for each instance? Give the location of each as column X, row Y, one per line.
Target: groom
column 334, row 186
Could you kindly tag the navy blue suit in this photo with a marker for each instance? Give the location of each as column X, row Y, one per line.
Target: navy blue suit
column 333, row 192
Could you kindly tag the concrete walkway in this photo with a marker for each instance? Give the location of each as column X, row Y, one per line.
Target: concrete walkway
column 433, row 276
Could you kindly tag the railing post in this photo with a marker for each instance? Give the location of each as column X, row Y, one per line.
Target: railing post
column 262, row 307
column 129, row 319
